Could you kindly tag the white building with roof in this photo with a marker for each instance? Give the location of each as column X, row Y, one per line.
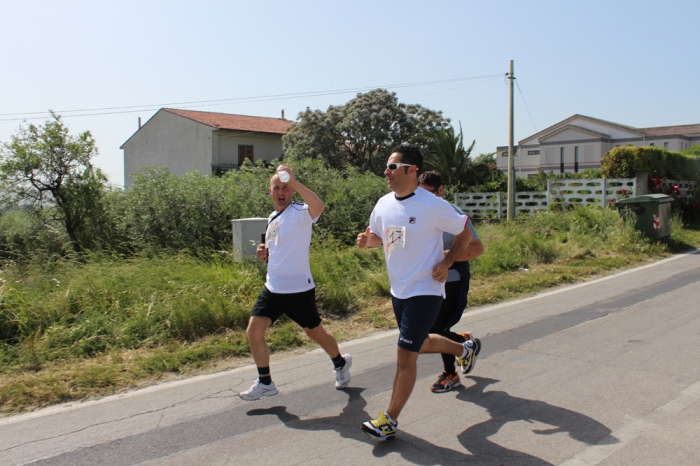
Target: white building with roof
column 579, row 142
column 184, row 140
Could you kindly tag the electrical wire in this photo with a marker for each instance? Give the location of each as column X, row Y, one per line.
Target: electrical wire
column 525, row 103
column 209, row 103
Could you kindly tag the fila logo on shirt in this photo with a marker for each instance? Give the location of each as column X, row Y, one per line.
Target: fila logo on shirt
column 412, row 220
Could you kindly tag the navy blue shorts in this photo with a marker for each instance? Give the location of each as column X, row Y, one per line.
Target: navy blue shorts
column 415, row 317
column 300, row 307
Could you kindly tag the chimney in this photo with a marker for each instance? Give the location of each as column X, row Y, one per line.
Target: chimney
column 139, row 122
column 283, row 114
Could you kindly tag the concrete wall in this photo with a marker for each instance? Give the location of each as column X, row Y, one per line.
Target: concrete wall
column 169, row 140
column 265, row 146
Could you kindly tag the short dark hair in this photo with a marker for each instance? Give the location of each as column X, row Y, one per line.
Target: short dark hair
column 433, row 178
column 409, row 154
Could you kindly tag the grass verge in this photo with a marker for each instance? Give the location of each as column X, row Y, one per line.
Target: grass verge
column 79, row 329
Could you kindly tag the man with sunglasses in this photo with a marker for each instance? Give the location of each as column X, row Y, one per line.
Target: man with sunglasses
column 456, row 289
column 289, row 287
column 408, row 223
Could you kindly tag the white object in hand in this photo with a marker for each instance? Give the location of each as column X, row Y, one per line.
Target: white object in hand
column 284, row 176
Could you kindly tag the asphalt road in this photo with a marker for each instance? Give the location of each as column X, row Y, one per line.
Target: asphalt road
column 599, row 373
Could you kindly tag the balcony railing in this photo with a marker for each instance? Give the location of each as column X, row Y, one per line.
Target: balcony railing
column 220, row 168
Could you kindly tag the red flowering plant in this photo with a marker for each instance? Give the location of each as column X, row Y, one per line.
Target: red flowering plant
column 687, row 206
column 622, row 194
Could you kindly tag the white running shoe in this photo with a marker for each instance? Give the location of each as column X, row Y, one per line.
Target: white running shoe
column 472, row 349
column 342, row 375
column 258, row 390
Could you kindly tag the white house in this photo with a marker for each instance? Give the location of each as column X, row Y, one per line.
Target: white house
column 184, row 140
column 579, row 142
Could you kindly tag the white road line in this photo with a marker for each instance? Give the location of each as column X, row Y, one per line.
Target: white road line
column 618, row 439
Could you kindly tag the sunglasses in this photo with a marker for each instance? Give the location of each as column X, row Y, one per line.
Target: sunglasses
column 394, row 166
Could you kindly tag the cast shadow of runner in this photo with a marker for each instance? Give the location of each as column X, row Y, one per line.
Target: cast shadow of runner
column 504, row 408
column 411, row 448
column 346, row 423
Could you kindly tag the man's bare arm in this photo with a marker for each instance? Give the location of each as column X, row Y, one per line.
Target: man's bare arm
column 314, row 202
column 459, row 245
column 367, row 239
column 475, row 248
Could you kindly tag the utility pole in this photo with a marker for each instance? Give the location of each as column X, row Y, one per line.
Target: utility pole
column 511, row 154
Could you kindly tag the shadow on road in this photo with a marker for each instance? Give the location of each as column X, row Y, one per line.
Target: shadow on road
column 479, row 449
column 346, row 423
column 504, row 408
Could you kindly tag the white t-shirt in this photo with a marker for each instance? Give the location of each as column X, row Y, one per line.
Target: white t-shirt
column 288, row 238
column 411, row 231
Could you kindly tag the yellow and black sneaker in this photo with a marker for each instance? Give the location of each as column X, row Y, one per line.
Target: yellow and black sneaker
column 471, row 349
column 382, row 428
column 445, row 383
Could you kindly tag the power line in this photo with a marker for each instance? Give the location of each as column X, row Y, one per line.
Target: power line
column 525, row 103
column 458, row 87
column 209, row 103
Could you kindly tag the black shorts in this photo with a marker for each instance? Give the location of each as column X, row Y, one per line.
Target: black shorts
column 415, row 317
column 300, row 307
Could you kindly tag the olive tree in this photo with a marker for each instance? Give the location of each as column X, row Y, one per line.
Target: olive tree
column 49, row 172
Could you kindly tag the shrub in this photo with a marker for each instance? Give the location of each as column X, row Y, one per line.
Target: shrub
column 24, row 235
column 627, row 161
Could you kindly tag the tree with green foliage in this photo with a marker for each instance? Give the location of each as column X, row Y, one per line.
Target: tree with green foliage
column 48, row 171
column 488, row 158
column 362, row 132
column 446, row 154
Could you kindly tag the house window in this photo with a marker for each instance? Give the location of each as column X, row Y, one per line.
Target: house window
column 244, row 152
column 665, row 145
column 652, row 144
column 561, row 160
column 533, row 152
column 576, row 159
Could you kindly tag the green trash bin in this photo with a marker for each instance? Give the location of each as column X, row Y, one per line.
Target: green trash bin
column 653, row 213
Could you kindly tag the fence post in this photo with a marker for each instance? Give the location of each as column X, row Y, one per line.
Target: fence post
column 641, row 184
column 604, row 194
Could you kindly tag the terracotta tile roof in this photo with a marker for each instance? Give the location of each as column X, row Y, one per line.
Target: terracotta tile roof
column 683, row 130
column 235, row 122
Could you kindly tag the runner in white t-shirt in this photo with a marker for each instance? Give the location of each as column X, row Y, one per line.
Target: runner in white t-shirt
column 408, row 223
column 289, row 287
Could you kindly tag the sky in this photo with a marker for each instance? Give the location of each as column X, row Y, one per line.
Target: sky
column 629, row 62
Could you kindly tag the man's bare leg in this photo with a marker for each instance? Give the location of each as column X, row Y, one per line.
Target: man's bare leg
column 406, row 370
column 257, row 326
column 325, row 339
column 403, row 382
column 439, row 344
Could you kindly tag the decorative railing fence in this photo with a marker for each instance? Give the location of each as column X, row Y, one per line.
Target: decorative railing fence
column 566, row 193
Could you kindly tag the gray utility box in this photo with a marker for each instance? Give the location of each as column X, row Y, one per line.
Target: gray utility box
column 247, row 234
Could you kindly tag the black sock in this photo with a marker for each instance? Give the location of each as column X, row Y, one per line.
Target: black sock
column 448, row 363
column 264, row 375
column 338, row 361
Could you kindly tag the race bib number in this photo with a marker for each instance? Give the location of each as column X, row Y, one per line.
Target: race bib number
column 394, row 237
column 273, row 233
